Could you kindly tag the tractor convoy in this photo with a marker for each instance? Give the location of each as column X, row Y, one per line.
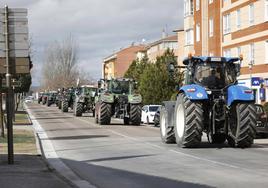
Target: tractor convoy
column 210, row 101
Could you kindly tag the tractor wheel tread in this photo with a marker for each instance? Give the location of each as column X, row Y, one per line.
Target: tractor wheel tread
column 135, row 114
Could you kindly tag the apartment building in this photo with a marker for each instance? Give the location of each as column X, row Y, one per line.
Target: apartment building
column 231, row 28
column 116, row 65
column 159, row 47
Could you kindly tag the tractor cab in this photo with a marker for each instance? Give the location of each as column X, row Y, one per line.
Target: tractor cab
column 212, row 72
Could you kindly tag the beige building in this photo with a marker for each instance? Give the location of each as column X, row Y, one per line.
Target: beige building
column 116, row 65
column 230, row 28
column 159, row 47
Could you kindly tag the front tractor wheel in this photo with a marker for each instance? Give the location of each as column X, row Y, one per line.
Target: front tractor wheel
column 242, row 125
column 188, row 122
column 104, row 114
column 64, row 107
column 167, row 133
column 135, row 114
column 78, row 109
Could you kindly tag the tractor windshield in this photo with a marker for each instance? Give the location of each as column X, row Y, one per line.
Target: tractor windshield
column 214, row 75
column 89, row 91
column 120, row 87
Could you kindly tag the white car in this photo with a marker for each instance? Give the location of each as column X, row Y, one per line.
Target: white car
column 28, row 100
column 148, row 112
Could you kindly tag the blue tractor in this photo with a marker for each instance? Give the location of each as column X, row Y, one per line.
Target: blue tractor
column 210, row 101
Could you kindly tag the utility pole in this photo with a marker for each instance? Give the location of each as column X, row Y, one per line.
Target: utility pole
column 9, row 97
column 1, row 113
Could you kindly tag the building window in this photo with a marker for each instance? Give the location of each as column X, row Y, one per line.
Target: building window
column 211, row 27
column 189, row 37
column 210, row 1
column 238, row 51
column 197, row 5
column 227, row 53
column 226, row 24
column 251, row 14
column 238, row 18
column 251, row 53
column 197, row 32
column 188, row 7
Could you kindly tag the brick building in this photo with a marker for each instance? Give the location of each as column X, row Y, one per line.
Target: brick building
column 231, row 28
column 116, row 65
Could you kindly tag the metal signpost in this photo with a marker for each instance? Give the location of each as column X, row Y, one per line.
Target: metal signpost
column 14, row 59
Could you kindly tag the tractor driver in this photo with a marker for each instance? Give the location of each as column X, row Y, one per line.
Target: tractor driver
column 214, row 80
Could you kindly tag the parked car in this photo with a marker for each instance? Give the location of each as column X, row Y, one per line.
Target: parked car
column 262, row 121
column 157, row 117
column 148, row 113
column 28, row 100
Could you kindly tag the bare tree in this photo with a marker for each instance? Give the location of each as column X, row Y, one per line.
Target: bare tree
column 60, row 65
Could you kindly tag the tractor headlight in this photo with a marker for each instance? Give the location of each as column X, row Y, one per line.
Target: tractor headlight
column 209, row 92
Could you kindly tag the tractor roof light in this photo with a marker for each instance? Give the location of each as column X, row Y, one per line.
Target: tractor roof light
column 241, row 57
column 190, row 55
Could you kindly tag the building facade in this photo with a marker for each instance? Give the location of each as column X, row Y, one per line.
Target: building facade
column 116, row 65
column 159, row 47
column 230, row 28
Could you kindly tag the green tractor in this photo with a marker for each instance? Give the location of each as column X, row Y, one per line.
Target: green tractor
column 51, row 98
column 118, row 98
column 67, row 99
column 85, row 100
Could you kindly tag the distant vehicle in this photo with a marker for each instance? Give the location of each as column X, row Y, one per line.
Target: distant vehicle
column 148, row 113
column 157, row 117
column 262, row 121
column 40, row 97
column 28, row 100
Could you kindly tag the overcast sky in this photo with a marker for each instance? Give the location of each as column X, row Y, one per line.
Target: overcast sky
column 100, row 27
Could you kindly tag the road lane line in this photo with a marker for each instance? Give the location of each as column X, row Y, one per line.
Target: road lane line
column 52, row 157
column 171, row 150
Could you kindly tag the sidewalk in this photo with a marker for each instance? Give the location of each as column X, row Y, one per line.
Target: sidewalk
column 30, row 170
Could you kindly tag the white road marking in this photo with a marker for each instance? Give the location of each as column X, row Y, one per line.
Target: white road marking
column 52, row 157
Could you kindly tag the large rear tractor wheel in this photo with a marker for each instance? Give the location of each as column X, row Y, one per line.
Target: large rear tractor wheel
column 104, row 114
column 242, row 125
column 78, row 109
column 135, row 114
column 167, row 133
column 64, row 107
column 188, row 122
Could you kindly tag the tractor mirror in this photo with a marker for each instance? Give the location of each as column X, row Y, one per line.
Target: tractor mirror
column 171, row 70
column 237, row 69
column 99, row 84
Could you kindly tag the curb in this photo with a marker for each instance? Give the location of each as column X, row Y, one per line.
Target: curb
column 51, row 158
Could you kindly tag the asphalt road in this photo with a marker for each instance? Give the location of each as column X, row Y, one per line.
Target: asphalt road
column 118, row 156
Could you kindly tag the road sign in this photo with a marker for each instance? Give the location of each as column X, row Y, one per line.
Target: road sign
column 14, row 83
column 18, row 41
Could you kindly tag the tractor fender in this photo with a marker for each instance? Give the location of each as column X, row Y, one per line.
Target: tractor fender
column 134, row 99
column 239, row 93
column 107, row 98
column 194, row 92
column 170, row 108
